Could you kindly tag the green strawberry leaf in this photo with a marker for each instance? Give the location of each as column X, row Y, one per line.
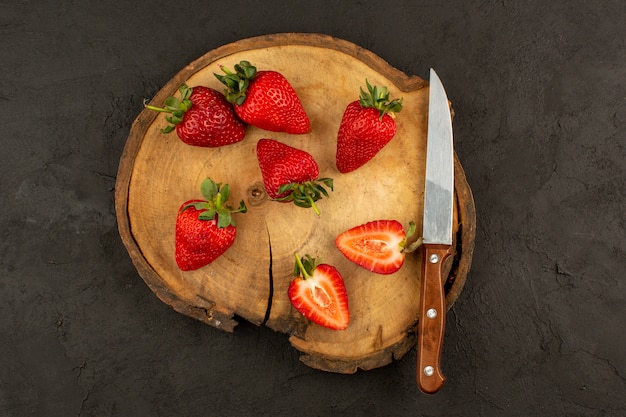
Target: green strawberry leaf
column 412, row 229
column 174, row 106
column 237, row 82
column 216, row 195
column 225, row 192
column 185, row 92
column 378, row 98
column 224, row 219
column 209, row 189
column 208, row 214
column 198, row 205
column 328, row 182
column 246, row 70
column 307, row 193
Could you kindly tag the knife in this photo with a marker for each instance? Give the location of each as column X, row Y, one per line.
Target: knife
column 437, row 237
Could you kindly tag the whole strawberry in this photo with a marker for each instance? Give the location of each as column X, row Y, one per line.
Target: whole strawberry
column 205, row 229
column 264, row 99
column 291, row 174
column 202, row 117
column 366, row 127
column 319, row 293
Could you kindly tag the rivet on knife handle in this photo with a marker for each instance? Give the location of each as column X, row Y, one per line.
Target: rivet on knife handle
column 432, row 318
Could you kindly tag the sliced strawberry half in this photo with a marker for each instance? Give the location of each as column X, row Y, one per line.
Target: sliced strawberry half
column 319, row 293
column 378, row 246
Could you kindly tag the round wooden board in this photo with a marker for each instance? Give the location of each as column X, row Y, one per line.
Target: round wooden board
column 158, row 172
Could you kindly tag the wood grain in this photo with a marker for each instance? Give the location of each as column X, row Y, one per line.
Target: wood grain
column 158, row 172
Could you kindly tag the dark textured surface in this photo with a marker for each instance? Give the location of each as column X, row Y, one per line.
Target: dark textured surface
column 539, row 93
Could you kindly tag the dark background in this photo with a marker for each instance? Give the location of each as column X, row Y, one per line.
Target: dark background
column 539, row 93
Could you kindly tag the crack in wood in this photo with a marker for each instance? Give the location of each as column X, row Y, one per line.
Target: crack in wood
column 270, row 295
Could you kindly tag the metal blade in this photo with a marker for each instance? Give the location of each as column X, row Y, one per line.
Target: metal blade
column 439, row 190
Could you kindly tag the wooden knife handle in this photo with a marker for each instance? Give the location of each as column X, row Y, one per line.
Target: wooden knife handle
column 432, row 318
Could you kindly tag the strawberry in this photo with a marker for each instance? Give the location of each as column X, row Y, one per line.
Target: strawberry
column 366, row 127
column 264, row 99
column 205, row 229
column 378, row 246
column 319, row 293
column 202, row 117
column 290, row 174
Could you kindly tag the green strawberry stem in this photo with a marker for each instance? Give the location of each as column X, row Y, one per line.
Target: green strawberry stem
column 413, row 246
column 216, row 195
column 175, row 107
column 237, row 82
column 378, row 98
column 304, row 267
column 305, row 194
column 314, row 206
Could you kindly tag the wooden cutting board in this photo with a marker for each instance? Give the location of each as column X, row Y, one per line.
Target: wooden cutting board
column 158, row 172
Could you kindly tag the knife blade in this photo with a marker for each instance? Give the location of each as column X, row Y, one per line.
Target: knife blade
column 437, row 237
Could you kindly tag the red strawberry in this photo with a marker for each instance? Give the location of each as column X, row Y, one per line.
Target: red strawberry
column 319, row 293
column 290, row 174
column 378, row 246
column 202, row 117
column 205, row 229
column 366, row 127
column 264, row 99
